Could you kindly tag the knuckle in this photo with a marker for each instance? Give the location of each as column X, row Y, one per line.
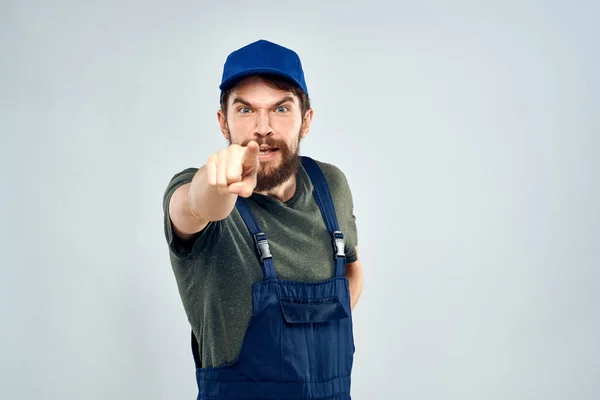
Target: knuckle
column 232, row 176
column 220, row 155
column 221, row 181
column 221, row 177
column 237, row 151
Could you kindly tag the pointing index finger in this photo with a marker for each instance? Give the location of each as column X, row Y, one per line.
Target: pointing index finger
column 251, row 152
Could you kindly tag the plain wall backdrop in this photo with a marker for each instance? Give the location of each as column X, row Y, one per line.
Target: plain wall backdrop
column 467, row 130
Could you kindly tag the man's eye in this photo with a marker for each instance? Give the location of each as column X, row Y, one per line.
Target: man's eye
column 244, row 110
column 281, row 109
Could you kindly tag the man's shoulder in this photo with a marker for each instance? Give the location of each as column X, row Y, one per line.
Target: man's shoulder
column 332, row 172
column 335, row 177
column 179, row 178
column 182, row 175
column 327, row 166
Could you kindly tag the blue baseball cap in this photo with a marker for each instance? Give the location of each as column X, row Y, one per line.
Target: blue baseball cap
column 262, row 57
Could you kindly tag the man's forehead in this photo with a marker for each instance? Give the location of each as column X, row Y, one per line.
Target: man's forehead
column 260, row 91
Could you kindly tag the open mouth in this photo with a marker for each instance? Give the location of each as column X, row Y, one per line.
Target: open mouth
column 267, row 150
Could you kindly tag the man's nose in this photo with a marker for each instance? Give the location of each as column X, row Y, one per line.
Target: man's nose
column 262, row 123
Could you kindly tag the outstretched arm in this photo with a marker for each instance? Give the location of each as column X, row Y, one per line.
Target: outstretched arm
column 354, row 273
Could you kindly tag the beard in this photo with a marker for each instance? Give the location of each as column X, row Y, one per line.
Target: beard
column 271, row 176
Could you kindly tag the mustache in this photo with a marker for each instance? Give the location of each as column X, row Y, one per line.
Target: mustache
column 266, row 141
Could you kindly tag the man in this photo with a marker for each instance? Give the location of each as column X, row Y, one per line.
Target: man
column 263, row 244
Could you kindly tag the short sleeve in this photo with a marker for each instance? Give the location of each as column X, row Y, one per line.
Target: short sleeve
column 178, row 248
column 200, row 243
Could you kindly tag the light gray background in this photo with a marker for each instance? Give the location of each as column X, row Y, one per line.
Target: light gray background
column 468, row 131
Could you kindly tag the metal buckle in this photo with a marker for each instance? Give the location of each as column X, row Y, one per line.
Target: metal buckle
column 338, row 244
column 262, row 246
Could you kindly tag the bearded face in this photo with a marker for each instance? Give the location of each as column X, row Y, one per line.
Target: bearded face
column 261, row 112
column 278, row 161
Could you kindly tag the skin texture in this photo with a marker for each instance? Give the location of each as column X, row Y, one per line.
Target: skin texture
column 269, row 116
column 258, row 116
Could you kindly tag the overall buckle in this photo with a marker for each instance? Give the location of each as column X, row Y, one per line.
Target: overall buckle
column 262, row 246
column 338, row 244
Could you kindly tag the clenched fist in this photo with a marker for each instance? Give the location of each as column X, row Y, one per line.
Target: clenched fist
column 233, row 170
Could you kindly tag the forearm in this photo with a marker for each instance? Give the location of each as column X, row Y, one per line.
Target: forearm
column 195, row 204
column 205, row 201
column 354, row 274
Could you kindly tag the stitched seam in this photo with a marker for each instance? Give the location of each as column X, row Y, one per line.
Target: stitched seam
column 282, row 381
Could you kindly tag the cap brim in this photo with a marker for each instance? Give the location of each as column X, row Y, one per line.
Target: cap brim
column 233, row 79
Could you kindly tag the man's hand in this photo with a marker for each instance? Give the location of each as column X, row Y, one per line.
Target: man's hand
column 233, row 170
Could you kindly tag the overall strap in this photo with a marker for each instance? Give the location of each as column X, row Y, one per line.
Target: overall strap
column 260, row 239
column 323, row 197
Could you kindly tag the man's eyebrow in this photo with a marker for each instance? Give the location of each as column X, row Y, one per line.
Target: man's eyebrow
column 240, row 100
column 247, row 104
column 284, row 100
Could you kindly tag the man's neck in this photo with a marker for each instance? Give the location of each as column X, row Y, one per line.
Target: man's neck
column 283, row 192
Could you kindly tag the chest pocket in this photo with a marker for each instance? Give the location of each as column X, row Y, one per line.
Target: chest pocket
column 309, row 312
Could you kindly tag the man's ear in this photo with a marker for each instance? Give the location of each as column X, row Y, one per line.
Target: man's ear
column 223, row 125
column 306, row 123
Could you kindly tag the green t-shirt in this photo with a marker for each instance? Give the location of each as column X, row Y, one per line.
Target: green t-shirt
column 216, row 271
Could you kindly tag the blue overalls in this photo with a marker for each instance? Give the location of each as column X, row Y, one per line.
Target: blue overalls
column 299, row 342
